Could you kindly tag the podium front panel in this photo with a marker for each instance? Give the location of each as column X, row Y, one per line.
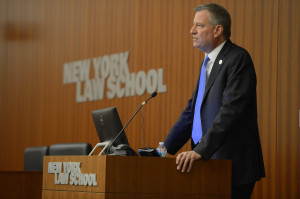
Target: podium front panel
column 136, row 176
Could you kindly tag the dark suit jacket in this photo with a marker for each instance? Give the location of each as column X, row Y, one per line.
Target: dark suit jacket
column 228, row 116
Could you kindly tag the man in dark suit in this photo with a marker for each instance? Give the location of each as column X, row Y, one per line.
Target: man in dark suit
column 221, row 116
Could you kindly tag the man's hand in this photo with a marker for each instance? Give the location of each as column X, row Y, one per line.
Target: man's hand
column 186, row 159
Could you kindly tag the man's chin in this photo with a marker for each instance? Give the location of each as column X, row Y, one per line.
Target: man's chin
column 196, row 44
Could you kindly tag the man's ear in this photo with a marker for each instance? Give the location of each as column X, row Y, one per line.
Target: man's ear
column 218, row 31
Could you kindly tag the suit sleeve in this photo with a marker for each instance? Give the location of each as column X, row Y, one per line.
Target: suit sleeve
column 181, row 131
column 238, row 94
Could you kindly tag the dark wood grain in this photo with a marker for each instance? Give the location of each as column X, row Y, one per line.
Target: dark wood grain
column 38, row 36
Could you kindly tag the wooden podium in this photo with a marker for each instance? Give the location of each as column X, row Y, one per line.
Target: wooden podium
column 120, row 177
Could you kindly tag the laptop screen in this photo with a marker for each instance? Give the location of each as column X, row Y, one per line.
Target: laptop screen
column 108, row 125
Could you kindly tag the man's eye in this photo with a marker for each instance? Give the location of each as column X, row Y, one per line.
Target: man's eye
column 200, row 25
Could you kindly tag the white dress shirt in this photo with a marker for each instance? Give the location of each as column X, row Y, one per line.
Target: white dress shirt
column 212, row 57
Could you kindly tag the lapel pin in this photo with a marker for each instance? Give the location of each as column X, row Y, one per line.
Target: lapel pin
column 220, row 62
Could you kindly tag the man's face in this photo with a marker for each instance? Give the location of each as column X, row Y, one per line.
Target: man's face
column 203, row 32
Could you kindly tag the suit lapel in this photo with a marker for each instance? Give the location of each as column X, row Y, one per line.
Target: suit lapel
column 216, row 67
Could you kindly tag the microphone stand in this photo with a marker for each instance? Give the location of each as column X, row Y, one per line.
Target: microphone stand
column 111, row 143
column 107, row 145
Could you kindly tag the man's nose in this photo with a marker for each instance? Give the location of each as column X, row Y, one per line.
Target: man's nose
column 193, row 30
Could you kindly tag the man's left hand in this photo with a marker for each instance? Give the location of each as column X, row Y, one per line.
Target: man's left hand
column 186, row 159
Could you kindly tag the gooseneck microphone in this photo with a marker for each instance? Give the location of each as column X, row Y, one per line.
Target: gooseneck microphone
column 143, row 103
column 152, row 95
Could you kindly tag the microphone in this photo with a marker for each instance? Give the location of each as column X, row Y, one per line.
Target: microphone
column 143, row 103
column 152, row 96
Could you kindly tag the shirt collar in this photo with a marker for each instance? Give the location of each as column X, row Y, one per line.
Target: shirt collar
column 213, row 54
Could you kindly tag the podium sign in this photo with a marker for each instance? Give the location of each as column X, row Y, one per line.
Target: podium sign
column 116, row 177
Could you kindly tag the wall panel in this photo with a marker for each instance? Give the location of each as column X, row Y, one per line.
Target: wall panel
column 288, row 104
column 38, row 36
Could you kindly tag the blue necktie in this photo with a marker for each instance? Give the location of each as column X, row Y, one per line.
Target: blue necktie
column 197, row 126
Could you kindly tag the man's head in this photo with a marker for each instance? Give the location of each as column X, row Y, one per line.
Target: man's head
column 211, row 27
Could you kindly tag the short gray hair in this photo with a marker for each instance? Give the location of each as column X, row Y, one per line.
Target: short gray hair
column 218, row 16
